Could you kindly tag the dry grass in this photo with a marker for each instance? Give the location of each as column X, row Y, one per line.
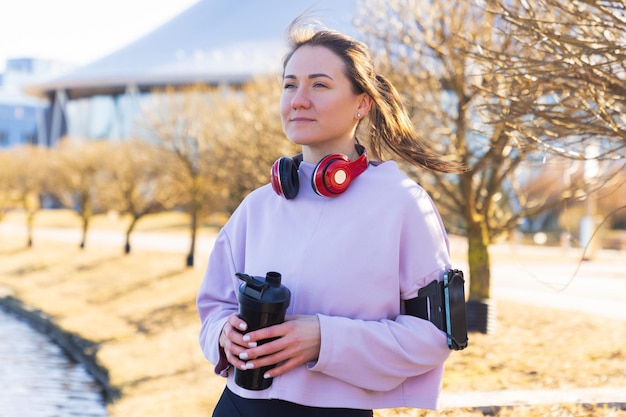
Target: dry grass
column 140, row 309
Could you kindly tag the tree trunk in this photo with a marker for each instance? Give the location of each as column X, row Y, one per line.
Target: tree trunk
column 480, row 309
column 129, row 230
column 194, row 228
column 194, row 212
column 84, row 232
column 86, row 216
column 30, row 219
column 478, row 259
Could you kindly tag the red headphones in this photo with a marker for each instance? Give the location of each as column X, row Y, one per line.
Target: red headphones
column 331, row 176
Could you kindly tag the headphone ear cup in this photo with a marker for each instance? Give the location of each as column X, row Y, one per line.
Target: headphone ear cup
column 332, row 175
column 284, row 178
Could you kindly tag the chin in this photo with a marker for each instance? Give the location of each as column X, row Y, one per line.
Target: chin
column 298, row 140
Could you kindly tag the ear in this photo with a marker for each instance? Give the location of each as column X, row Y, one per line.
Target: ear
column 365, row 104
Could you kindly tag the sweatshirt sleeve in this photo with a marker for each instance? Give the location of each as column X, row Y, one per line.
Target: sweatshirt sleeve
column 380, row 355
column 216, row 301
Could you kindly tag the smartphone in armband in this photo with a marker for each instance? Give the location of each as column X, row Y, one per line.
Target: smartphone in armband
column 443, row 304
column 454, row 309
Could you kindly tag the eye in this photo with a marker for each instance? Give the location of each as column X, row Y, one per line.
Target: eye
column 319, row 85
column 288, row 86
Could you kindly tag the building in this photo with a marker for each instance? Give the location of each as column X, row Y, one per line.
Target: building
column 22, row 117
column 213, row 42
column 19, row 120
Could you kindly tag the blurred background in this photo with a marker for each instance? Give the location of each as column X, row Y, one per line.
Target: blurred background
column 532, row 110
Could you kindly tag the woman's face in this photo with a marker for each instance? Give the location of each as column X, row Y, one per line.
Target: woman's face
column 318, row 107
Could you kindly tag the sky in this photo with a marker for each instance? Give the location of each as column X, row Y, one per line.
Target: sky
column 78, row 32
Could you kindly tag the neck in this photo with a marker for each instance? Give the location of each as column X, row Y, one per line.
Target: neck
column 314, row 155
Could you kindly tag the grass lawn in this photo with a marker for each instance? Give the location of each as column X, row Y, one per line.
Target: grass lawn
column 140, row 310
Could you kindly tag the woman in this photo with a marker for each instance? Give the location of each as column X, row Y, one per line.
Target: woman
column 352, row 238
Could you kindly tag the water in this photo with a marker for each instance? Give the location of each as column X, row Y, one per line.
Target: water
column 37, row 379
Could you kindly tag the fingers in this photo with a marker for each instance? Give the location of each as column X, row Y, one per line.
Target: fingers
column 266, row 333
column 266, row 354
column 286, row 358
column 237, row 323
column 232, row 341
column 293, row 343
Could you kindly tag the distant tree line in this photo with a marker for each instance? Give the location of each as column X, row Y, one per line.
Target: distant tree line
column 199, row 149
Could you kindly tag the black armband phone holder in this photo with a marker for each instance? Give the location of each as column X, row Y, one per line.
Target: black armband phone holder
column 443, row 304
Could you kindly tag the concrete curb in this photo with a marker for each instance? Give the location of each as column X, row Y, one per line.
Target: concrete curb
column 489, row 403
column 80, row 350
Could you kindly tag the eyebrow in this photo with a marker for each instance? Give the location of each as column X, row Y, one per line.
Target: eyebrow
column 311, row 76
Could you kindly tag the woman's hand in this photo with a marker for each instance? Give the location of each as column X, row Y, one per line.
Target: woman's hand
column 231, row 340
column 297, row 342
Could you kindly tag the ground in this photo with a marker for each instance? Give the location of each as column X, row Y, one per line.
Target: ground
column 140, row 310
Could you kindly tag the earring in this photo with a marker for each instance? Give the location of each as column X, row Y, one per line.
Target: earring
column 358, row 115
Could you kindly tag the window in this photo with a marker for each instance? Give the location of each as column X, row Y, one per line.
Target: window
column 30, row 138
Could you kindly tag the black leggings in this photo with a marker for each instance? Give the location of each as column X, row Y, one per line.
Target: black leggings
column 232, row 405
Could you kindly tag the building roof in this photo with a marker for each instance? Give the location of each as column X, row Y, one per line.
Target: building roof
column 214, row 41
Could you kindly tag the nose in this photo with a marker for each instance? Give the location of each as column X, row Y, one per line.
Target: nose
column 300, row 99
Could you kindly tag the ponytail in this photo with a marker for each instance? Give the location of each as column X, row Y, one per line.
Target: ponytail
column 391, row 129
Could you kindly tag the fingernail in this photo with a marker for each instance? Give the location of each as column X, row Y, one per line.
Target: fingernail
column 243, row 367
column 266, row 376
column 246, row 338
column 243, row 356
column 243, row 326
column 252, row 344
column 249, row 365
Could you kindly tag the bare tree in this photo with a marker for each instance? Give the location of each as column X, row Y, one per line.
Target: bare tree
column 570, row 100
column 188, row 123
column 427, row 51
column 137, row 184
column 26, row 171
column 6, row 193
column 77, row 177
column 247, row 156
column 570, row 72
column 224, row 141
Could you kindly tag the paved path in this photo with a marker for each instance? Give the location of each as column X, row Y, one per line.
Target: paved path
column 170, row 242
column 614, row 396
column 597, row 288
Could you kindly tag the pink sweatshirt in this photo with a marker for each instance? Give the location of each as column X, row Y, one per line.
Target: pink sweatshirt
column 349, row 260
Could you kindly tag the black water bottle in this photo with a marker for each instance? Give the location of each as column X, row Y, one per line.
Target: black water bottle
column 262, row 303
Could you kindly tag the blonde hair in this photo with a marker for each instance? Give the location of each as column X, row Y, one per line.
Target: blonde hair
column 389, row 125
